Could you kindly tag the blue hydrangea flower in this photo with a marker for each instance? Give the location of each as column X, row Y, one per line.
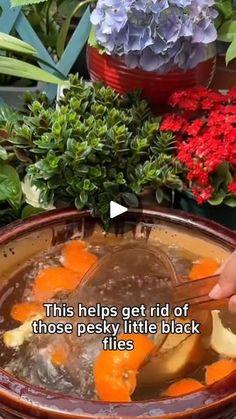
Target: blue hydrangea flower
column 156, row 35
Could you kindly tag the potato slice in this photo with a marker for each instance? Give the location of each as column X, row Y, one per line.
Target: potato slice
column 223, row 340
column 177, row 352
column 16, row 337
column 174, row 340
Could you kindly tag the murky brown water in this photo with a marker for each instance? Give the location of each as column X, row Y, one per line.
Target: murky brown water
column 32, row 361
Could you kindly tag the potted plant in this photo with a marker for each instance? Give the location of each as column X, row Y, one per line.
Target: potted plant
column 156, row 46
column 96, row 147
column 225, row 74
column 204, row 122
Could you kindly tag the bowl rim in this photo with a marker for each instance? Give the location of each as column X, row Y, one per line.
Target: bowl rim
column 169, row 215
column 16, row 396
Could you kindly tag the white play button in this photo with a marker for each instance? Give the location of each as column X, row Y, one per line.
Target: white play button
column 116, row 209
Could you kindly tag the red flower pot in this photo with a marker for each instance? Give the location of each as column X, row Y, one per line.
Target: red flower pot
column 156, row 87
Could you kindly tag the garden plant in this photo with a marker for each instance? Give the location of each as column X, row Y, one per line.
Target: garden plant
column 96, row 147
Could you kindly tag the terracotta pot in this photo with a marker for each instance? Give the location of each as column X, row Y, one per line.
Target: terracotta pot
column 156, row 87
column 22, row 240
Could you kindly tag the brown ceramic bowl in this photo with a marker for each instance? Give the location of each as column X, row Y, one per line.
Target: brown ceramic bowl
column 22, row 240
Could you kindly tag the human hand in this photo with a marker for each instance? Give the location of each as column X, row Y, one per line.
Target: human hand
column 226, row 286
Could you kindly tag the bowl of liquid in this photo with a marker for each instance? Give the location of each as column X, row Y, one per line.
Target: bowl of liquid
column 52, row 362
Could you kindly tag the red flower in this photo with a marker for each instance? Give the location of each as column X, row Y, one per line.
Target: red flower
column 195, row 127
column 232, row 93
column 227, row 109
column 216, row 117
column 207, row 104
column 196, row 98
column 232, row 186
column 202, row 195
column 217, row 97
column 184, row 101
column 173, row 123
column 205, row 123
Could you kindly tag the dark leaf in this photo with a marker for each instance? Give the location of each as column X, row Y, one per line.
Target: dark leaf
column 28, row 211
column 159, row 195
column 130, row 199
column 230, row 201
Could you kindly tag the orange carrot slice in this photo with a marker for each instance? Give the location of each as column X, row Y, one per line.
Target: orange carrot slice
column 185, row 386
column 205, row 267
column 77, row 258
column 24, row 311
column 218, row 370
column 59, row 356
column 115, row 371
column 53, row 280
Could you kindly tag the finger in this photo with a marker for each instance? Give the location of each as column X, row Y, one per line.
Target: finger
column 232, row 304
column 227, row 281
column 231, row 259
column 228, row 274
column 222, row 291
column 220, row 269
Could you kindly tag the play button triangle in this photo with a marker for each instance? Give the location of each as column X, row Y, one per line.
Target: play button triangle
column 116, row 209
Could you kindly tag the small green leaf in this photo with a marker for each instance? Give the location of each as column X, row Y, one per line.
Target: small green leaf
column 231, row 51
column 159, row 195
column 130, row 199
column 223, row 172
column 10, row 186
column 83, row 198
column 3, row 153
column 16, row 3
column 230, row 202
column 92, row 41
column 28, row 211
column 217, row 200
column 227, row 31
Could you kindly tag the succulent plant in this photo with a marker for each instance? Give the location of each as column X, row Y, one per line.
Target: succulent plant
column 96, row 147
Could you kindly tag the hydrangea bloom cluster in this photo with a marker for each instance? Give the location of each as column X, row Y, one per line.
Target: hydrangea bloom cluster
column 205, row 127
column 156, row 35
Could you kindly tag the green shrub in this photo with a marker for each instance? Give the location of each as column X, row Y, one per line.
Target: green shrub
column 96, row 147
